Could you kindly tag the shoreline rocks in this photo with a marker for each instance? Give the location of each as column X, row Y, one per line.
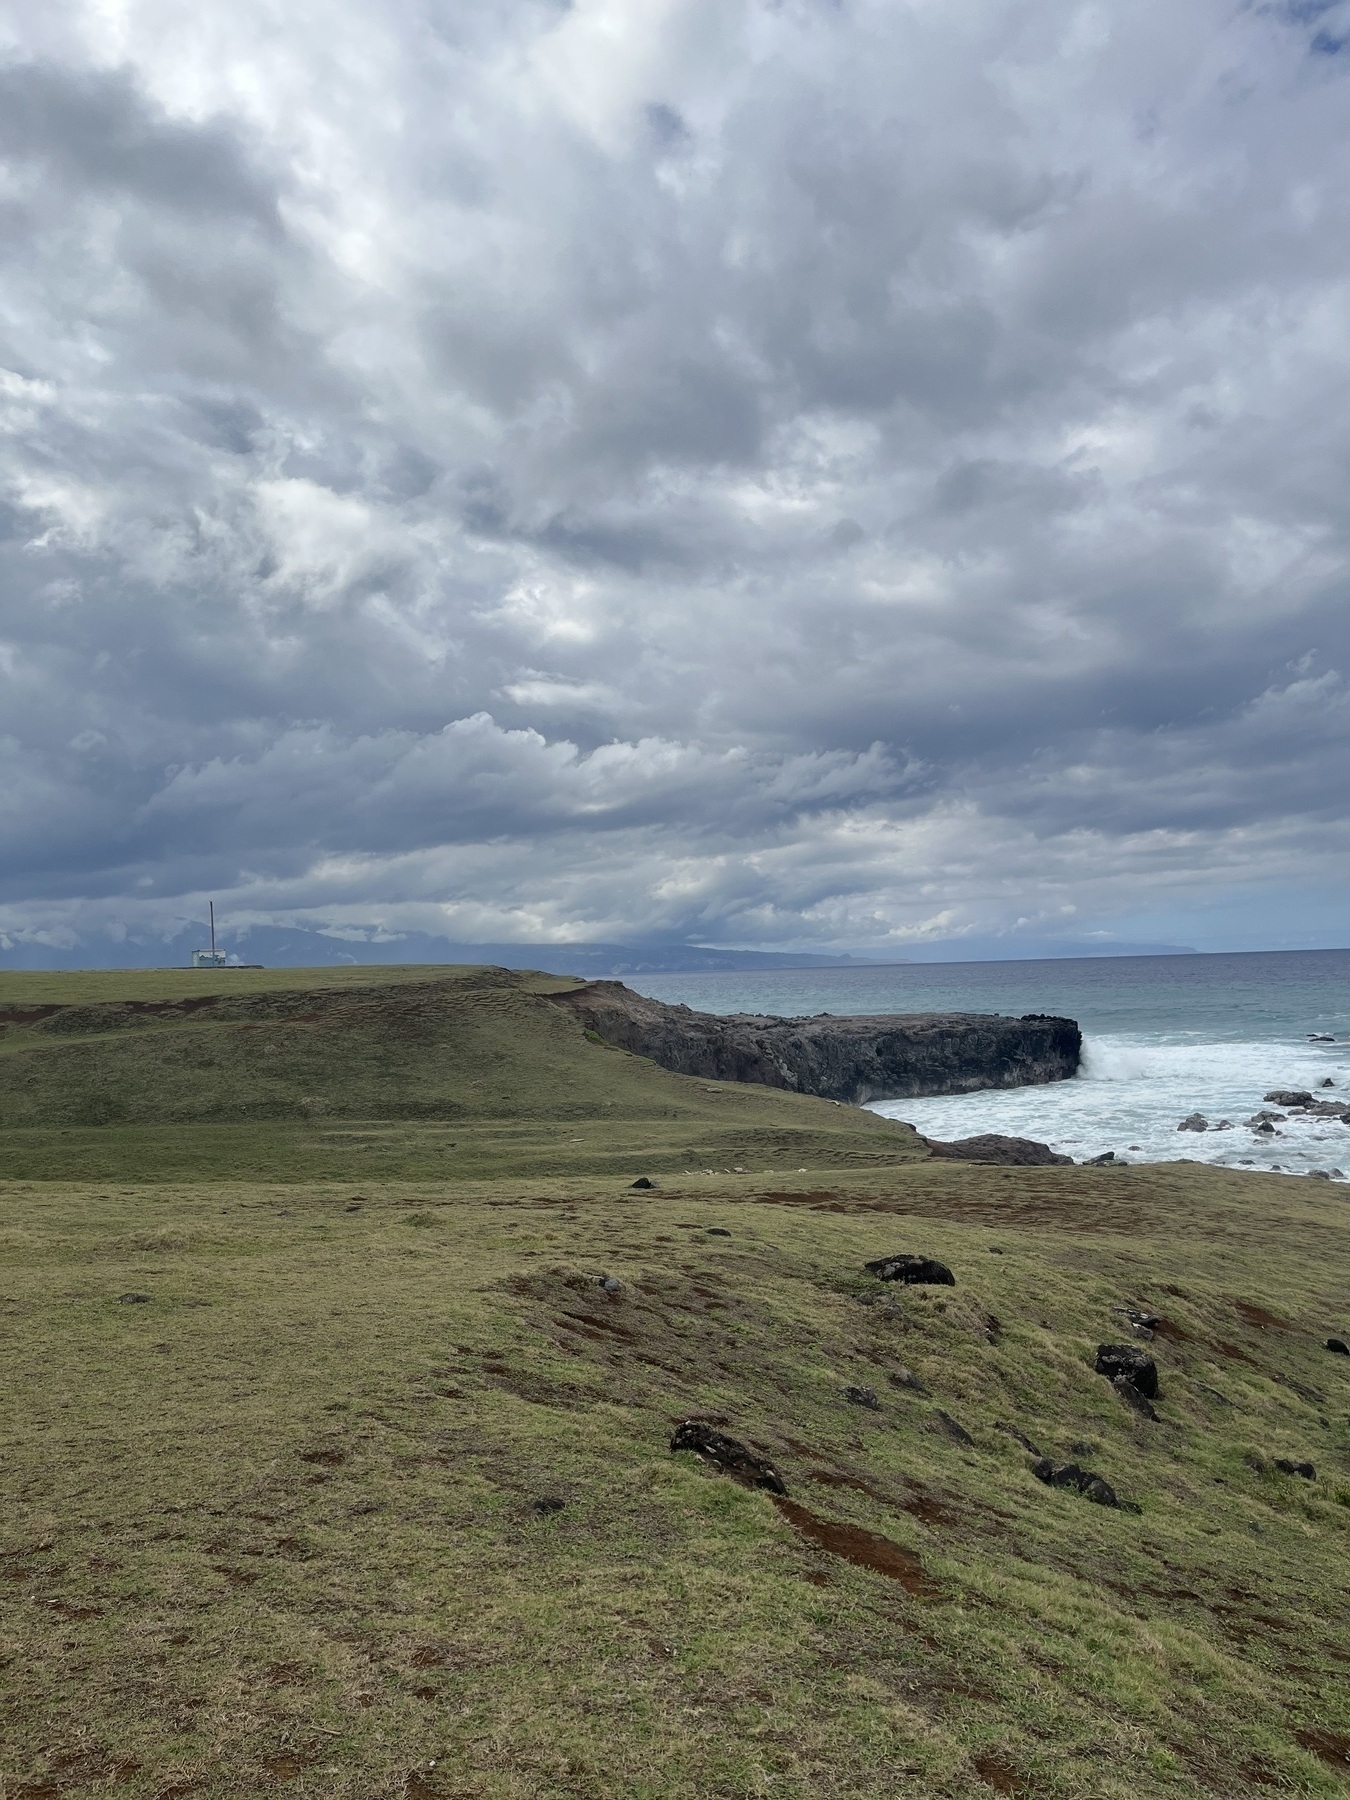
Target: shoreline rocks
column 1007, row 1152
column 852, row 1060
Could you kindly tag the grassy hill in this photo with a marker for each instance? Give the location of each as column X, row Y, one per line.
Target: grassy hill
column 294, row 1074
column 361, row 1488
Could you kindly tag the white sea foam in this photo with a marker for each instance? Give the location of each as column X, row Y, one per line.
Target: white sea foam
column 1134, row 1090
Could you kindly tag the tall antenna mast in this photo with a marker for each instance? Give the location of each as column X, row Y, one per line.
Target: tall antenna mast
column 212, row 905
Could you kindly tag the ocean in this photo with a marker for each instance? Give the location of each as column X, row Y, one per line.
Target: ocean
column 1164, row 1037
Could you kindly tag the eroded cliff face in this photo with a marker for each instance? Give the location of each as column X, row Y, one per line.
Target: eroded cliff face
column 854, row 1060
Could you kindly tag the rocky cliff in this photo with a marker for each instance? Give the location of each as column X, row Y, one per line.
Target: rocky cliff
column 853, row 1060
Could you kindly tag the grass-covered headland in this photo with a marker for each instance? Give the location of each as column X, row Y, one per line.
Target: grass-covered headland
column 342, row 1360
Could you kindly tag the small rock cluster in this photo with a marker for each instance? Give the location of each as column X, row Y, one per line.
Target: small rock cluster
column 1129, row 1368
column 1069, row 1475
column 728, row 1454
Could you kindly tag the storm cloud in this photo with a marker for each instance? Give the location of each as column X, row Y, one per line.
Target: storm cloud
column 812, row 473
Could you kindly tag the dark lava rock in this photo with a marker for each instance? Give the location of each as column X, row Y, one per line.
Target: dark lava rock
column 642, row 1182
column 1262, row 1127
column 1338, row 1346
column 1104, row 1161
column 134, row 1299
column 547, row 1504
column 1287, row 1097
column 1082, row 1481
column 912, row 1270
column 1136, row 1401
column 1135, row 1365
column 956, row 1432
column 991, row 1147
column 852, row 1060
column 862, row 1396
column 1327, row 1083
column 1194, row 1122
column 727, row 1454
column 1305, row 1469
column 1145, row 1323
column 718, row 1231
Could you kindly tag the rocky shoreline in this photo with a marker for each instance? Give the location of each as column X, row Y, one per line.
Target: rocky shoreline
column 851, row 1060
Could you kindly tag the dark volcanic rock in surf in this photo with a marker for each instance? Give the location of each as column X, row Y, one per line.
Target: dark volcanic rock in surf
column 993, row 1147
column 913, row 1271
column 1129, row 1363
column 727, row 1454
column 1287, row 1097
column 852, row 1060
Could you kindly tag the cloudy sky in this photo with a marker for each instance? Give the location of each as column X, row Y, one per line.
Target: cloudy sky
column 794, row 473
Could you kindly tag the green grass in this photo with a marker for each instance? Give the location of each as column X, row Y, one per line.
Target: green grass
column 284, row 1508
column 458, row 1073
column 273, row 1530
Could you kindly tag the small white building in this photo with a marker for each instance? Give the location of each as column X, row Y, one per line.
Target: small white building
column 208, row 959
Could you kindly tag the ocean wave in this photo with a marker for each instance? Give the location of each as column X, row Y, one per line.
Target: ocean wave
column 1133, row 1091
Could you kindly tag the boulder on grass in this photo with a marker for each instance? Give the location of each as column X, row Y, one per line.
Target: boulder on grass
column 913, row 1271
column 1129, row 1363
column 1080, row 1481
column 1287, row 1467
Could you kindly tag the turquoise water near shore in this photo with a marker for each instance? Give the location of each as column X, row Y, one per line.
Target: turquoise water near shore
column 1164, row 1036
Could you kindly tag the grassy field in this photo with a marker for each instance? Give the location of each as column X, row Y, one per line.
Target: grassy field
column 459, row 1073
column 336, row 1486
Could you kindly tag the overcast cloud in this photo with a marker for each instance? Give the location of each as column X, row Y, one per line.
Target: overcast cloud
column 766, row 472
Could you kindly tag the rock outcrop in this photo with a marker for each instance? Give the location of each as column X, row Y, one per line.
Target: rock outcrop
column 852, row 1060
column 728, row 1454
column 911, row 1270
column 1010, row 1152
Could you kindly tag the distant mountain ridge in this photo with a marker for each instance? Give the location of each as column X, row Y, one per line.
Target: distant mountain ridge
column 279, row 946
column 286, row 947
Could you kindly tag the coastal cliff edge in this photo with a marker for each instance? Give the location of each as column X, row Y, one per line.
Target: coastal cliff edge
column 852, row 1060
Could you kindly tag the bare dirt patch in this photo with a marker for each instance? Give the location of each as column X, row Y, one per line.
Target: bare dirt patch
column 865, row 1549
column 1259, row 1318
column 997, row 1772
column 286, row 1765
column 1332, row 1746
